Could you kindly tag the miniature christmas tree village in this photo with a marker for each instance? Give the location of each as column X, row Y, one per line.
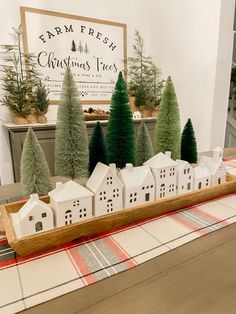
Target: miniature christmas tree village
column 124, row 172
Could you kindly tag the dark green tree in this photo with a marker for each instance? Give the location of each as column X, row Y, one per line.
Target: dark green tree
column 71, row 146
column 73, row 46
column 97, row 148
column 120, row 129
column 144, row 149
column 167, row 133
column 35, row 174
column 188, row 143
column 41, row 99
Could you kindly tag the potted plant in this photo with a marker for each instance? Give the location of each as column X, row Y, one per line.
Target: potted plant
column 144, row 79
column 41, row 102
column 19, row 80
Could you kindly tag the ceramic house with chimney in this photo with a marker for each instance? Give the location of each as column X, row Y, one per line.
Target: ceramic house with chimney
column 202, row 177
column 164, row 170
column 33, row 217
column 215, row 166
column 107, row 189
column 184, row 177
column 70, row 202
column 139, row 185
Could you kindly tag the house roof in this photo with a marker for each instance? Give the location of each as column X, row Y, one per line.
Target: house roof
column 135, row 176
column 69, row 191
column 99, row 173
column 160, row 161
column 181, row 164
column 32, row 203
column 210, row 164
column 201, row 171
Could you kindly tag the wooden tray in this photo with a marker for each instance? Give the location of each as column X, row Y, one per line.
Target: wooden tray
column 48, row 239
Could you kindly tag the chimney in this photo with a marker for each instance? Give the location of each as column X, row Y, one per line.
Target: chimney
column 129, row 166
column 59, row 186
column 217, row 154
column 113, row 168
column 34, row 197
column 168, row 154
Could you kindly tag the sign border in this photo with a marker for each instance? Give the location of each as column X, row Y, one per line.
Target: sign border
column 24, row 10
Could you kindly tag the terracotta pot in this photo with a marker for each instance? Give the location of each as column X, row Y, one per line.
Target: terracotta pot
column 19, row 120
column 42, row 118
column 32, row 118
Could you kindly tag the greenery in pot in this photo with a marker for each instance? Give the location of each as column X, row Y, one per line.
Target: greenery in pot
column 20, row 78
column 41, row 102
column 144, row 77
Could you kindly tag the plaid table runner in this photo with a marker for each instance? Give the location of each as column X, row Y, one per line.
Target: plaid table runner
column 28, row 281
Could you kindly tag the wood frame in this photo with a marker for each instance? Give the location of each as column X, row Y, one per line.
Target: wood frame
column 24, row 9
column 58, row 236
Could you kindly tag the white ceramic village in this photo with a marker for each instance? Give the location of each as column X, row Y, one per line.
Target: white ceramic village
column 109, row 190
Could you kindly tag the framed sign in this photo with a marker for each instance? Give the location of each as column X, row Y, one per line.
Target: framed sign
column 95, row 50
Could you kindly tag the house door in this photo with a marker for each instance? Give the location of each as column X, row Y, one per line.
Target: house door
column 109, row 206
column 162, row 190
column 38, row 226
column 147, row 197
column 68, row 217
column 219, row 180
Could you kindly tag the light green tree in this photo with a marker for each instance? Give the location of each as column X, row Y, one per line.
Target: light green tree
column 144, row 149
column 71, row 146
column 167, row 133
column 35, row 174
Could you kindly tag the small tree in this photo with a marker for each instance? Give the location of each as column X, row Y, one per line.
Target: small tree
column 35, row 174
column 80, row 47
column 188, row 143
column 120, row 129
column 167, row 133
column 86, row 50
column 144, row 149
column 73, row 46
column 97, row 148
column 41, row 99
column 20, row 77
column 71, row 145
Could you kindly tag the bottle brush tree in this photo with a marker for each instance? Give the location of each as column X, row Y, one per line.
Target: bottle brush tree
column 120, row 129
column 144, row 149
column 97, row 148
column 71, row 145
column 188, row 143
column 35, row 174
column 167, row 133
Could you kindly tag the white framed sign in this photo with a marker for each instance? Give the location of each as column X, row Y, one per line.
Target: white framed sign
column 94, row 49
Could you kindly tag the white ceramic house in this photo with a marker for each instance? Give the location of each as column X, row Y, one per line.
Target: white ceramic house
column 215, row 166
column 184, row 177
column 165, row 174
column 202, row 177
column 139, row 185
column 33, row 217
column 107, row 189
column 137, row 115
column 70, row 202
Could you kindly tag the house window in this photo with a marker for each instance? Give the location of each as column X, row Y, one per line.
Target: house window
column 199, row 185
column 109, row 180
column 30, row 218
column 109, row 206
column 163, row 173
column 188, row 170
column 143, row 188
column 162, row 190
column 68, row 217
column 151, row 186
column 76, row 203
column 133, row 197
column 38, row 226
column 182, row 187
column 147, row 197
column 188, row 186
column 44, row 215
column 207, row 182
column 185, row 171
column 189, row 177
column 172, row 171
column 171, row 188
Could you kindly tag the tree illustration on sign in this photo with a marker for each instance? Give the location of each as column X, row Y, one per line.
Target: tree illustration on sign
column 86, row 50
column 73, row 46
column 80, row 47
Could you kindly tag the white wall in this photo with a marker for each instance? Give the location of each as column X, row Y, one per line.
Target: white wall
column 189, row 40
column 192, row 41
